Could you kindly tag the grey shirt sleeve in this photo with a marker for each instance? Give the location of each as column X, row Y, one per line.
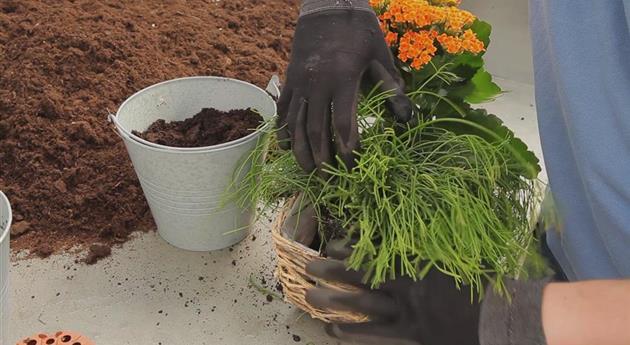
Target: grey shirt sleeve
column 515, row 323
column 312, row 6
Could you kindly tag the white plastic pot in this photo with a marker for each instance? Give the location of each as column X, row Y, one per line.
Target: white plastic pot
column 185, row 187
column 5, row 226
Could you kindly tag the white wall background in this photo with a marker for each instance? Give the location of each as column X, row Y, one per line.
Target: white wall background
column 509, row 55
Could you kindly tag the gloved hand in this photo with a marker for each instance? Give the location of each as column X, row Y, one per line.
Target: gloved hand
column 302, row 222
column 336, row 42
column 428, row 312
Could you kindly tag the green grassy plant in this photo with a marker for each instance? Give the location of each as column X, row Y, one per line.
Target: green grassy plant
column 420, row 197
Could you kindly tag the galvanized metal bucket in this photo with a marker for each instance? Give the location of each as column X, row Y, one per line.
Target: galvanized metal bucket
column 5, row 230
column 185, row 187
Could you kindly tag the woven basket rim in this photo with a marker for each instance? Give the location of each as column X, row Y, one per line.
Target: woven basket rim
column 291, row 272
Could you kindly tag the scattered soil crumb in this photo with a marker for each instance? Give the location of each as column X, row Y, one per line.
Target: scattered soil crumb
column 96, row 253
column 44, row 250
column 20, row 228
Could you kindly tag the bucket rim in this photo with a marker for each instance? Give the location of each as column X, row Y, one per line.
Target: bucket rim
column 130, row 136
column 6, row 230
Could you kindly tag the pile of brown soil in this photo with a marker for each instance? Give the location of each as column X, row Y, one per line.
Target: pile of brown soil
column 66, row 63
column 208, row 127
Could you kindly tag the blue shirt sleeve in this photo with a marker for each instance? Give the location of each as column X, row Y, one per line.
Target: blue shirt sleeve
column 582, row 76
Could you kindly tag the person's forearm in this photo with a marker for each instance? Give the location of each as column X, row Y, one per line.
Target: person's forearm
column 587, row 313
column 580, row 313
column 312, row 6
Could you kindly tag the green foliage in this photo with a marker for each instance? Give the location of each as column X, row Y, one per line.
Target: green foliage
column 479, row 89
column 493, row 129
column 420, row 197
column 456, row 81
column 477, row 122
column 483, row 30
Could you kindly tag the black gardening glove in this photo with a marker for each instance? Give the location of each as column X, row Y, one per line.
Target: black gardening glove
column 428, row 312
column 302, row 222
column 336, row 43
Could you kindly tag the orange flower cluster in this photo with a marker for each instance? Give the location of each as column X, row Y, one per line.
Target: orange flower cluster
column 446, row 2
column 417, row 47
column 456, row 19
column 391, row 38
column 467, row 42
column 415, row 26
column 470, row 42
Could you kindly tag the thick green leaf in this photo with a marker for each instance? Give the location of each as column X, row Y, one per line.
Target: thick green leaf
column 480, row 88
column 466, row 65
column 482, row 30
column 472, row 60
column 530, row 164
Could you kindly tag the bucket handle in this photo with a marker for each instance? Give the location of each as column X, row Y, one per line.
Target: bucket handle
column 111, row 118
column 273, row 87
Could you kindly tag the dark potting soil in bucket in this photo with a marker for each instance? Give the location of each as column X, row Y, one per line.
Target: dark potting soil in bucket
column 207, row 128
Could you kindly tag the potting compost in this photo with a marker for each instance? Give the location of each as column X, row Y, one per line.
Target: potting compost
column 206, row 128
column 67, row 64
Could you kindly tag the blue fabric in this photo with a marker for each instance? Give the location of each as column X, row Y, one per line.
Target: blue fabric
column 582, row 73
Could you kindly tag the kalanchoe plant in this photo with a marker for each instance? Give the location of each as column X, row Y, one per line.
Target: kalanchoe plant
column 439, row 49
column 427, row 36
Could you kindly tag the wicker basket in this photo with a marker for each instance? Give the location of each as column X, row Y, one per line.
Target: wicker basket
column 291, row 272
